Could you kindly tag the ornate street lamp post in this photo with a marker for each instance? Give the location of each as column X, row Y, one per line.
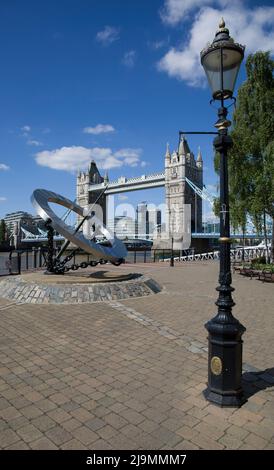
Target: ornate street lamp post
column 221, row 61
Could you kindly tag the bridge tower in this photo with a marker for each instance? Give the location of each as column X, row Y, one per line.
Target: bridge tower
column 179, row 165
column 84, row 197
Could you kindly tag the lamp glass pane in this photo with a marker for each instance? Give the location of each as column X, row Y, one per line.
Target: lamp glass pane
column 231, row 64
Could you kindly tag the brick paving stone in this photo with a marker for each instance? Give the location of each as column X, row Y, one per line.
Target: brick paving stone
column 107, row 432
column 172, row 424
column 115, row 420
column 70, row 406
column 205, row 442
column 3, row 424
column 84, row 435
column 81, row 414
column 43, row 423
column 43, row 444
column 71, row 424
column 132, row 416
column 148, row 426
column 209, row 430
column 58, row 435
column 7, row 437
column 135, row 405
column 95, row 423
column 34, row 396
column 256, row 441
column 89, row 405
column 164, row 436
column 19, row 445
column 263, row 431
column 59, row 415
column 31, row 411
column 101, row 444
column 19, row 403
column 197, row 412
column 131, row 431
column 18, row 422
column 117, row 407
column 73, row 444
column 216, row 421
column 186, row 432
column 230, row 442
column 133, row 369
column 4, row 403
column 10, row 413
column 29, row 433
column 59, row 398
column 237, row 432
column 100, row 412
column 186, row 445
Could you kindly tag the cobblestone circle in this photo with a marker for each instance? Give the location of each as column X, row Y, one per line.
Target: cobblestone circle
column 21, row 291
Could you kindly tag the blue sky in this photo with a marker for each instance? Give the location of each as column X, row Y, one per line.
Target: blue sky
column 112, row 80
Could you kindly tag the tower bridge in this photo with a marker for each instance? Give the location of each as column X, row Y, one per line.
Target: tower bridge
column 123, row 184
column 182, row 179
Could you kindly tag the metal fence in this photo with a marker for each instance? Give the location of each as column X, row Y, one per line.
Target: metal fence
column 15, row 262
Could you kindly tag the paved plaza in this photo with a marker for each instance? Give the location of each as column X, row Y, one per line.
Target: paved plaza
column 129, row 374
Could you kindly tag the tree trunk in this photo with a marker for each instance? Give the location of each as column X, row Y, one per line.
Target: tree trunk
column 272, row 242
column 243, row 252
column 265, row 238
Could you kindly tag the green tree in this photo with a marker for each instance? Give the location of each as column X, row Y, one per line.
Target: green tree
column 251, row 167
column 3, row 231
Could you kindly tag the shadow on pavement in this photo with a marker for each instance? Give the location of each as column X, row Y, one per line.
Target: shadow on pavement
column 254, row 380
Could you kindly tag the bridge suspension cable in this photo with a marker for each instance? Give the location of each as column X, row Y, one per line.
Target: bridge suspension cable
column 203, row 193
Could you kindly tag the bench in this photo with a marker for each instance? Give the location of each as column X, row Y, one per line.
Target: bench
column 249, row 272
column 237, row 265
column 266, row 276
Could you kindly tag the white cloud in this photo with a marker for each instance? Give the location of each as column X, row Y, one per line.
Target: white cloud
column 108, row 35
column 26, row 129
column 251, row 27
column 77, row 157
column 3, row 199
column 46, row 130
column 122, row 197
column 174, row 11
column 35, row 143
column 99, row 129
column 155, row 45
column 129, row 58
column 143, row 164
column 4, row 167
column 212, row 188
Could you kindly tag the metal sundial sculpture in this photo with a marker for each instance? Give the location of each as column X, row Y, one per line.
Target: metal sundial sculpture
column 112, row 250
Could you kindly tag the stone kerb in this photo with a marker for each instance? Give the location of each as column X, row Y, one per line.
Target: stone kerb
column 18, row 289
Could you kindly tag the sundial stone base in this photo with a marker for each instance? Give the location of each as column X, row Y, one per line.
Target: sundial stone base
column 72, row 288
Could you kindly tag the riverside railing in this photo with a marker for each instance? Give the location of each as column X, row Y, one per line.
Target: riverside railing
column 15, row 262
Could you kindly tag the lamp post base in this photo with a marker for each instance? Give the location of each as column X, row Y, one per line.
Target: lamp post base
column 234, row 399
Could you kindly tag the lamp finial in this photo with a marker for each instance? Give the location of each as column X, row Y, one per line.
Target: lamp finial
column 222, row 23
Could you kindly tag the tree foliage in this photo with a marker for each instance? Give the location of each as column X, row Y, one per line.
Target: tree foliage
column 3, row 231
column 251, row 159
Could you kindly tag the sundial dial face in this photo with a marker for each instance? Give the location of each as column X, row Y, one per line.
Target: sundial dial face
column 116, row 249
